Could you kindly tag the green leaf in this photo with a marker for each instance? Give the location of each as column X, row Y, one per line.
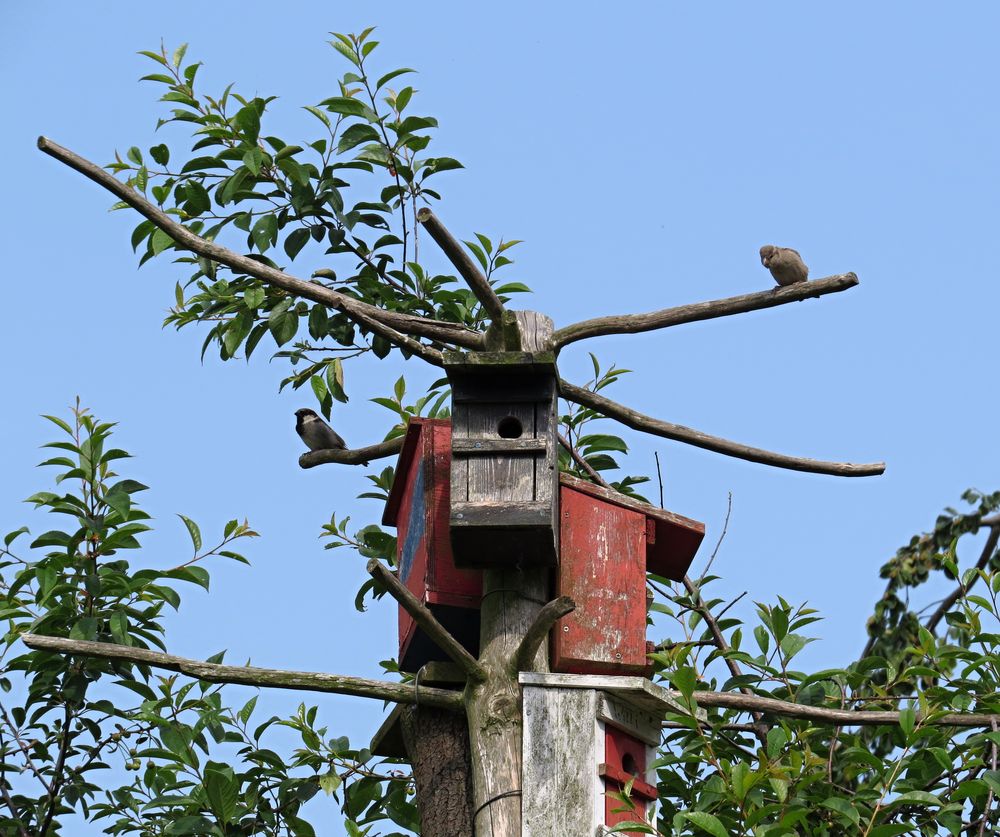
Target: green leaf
column 842, row 806
column 193, row 531
column 222, row 791
column 390, row 76
column 344, row 105
column 265, row 232
column 160, row 241
column 248, row 121
column 890, row 830
column 684, row 679
column 355, row 135
column 179, row 55
column 119, row 627
column 160, row 153
column 297, row 239
column 283, row 323
column 253, row 297
column 907, row 720
column 706, row 822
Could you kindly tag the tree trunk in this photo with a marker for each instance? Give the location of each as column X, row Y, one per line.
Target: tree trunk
column 511, row 600
column 437, row 743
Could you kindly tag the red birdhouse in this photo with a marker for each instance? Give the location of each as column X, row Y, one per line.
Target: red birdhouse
column 625, row 761
column 419, row 506
column 608, row 542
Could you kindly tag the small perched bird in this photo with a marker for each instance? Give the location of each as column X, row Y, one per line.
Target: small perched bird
column 316, row 433
column 785, row 264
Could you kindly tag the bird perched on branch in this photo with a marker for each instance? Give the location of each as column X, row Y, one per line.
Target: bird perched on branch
column 316, row 433
column 785, row 264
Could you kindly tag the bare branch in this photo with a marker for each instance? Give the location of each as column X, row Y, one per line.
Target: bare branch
column 427, row 621
column 355, row 456
column 539, row 630
column 835, row 717
column 463, row 263
column 251, row 675
column 948, row 602
column 390, row 324
column 583, row 464
column 680, row 433
column 635, row 323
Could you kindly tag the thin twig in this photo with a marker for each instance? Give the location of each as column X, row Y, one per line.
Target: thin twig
column 25, row 750
column 720, row 614
column 582, row 463
column 635, row 323
column 680, row 433
column 251, row 675
column 659, row 475
column 426, row 620
column 718, row 543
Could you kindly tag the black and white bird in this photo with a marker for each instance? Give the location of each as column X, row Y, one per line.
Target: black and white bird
column 316, row 433
column 785, row 264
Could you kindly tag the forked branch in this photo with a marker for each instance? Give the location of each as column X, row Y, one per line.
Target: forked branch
column 463, row 264
column 251, row 675
column 354, row 456
column 391, row 325
column 427, row 621
column 635, row 323
column 680, row 433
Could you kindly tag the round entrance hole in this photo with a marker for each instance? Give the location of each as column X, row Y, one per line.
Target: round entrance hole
column 509, row 427
column 629, row 765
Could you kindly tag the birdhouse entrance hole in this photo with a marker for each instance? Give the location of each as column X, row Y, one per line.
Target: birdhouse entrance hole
column 510, row 427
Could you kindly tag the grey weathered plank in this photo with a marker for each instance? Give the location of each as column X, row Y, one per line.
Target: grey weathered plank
column 561, row 742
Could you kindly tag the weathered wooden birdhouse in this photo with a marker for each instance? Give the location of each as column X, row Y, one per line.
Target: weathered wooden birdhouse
column 504, row 468
column 419, row 507
column 607, row 544
column 585, row 738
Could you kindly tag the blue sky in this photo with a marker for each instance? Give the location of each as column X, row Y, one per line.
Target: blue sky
column 643, row 151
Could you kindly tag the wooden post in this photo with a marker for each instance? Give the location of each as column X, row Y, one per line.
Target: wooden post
column 513, row 594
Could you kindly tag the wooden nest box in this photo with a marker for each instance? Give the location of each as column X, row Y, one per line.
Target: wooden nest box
column 504, row 466
column 418, row 506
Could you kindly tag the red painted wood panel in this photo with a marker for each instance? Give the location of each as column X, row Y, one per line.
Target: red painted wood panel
column 419, row 506
column 624, row 759
column 603, row 569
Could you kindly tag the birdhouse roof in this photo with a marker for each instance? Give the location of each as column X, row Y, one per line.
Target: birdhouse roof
column 672, row 540
column 407, row 456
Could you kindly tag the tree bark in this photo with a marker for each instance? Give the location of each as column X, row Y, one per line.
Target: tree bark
column 437, row 742
column 512, row 599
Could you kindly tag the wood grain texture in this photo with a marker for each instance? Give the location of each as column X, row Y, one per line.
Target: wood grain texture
column 511, row 601
column 561, row 754
column 635, row 323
